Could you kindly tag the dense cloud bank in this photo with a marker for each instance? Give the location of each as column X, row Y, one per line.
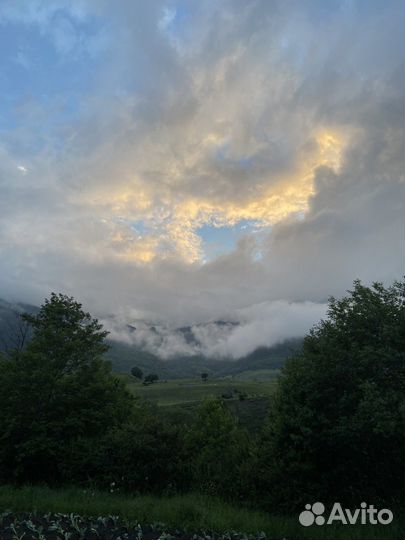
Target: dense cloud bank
column 129, row 126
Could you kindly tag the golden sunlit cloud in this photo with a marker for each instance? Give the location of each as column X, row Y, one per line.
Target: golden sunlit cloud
column 172, row 219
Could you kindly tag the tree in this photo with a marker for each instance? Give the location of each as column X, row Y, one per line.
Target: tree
column 151, row 378
column 55, row 392
column 66, row 335
column 138, row 456
column 204, row 376
column 336, row 425
column 136, row 372
column 219, row 451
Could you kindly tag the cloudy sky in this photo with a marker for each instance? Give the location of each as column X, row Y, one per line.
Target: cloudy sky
column 185, row 161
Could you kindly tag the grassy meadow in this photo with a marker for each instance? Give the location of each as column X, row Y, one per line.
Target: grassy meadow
column 178, row 399
column 194, row 390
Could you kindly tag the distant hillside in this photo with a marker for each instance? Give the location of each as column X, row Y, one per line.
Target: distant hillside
column 264, row 357
column 123, row 357
column 11, row 326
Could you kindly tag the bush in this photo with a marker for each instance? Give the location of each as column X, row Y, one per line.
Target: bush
column 219, row 452
column 56, row 393
column 336, row 426
column 140, row 456
column 136, row 372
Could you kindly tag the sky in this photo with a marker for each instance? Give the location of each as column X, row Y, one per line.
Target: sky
column 187, row 161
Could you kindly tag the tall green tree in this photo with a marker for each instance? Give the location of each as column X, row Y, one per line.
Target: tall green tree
column 336, row 428
column 141, row 456
column 219, row 451
column 56, row 392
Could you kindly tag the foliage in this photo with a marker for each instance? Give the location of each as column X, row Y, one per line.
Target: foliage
column 184, row 515
column 219, row 451
column 134, row 457
column 72, row 526
column 204, row 376
column 56, row 392
column 188, row 391
column 338, row 408
column 151, row 378
column 336, row 425
column 123, row 357
column 137, row 372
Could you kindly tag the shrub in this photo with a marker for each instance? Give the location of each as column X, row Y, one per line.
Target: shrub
column 56, row 392
column 336, row 425
column 219, row 452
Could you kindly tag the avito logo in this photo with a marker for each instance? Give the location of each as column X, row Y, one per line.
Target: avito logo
column 313, row 513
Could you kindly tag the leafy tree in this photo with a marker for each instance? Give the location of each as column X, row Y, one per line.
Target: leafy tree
column 136, row 372
column 55, row 392
column 204, row 376
column 141, row 455
column 336, row 424
column 219, row 451
column 136, row 456
column 151, row 378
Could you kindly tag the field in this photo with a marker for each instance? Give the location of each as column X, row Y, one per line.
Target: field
column 257, row 375
column 185, row 391
column 178, row 399
column 41, row 510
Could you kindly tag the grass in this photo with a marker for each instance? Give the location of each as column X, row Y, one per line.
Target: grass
column 190, row 511
column 257, row 375
column 179, row 399
column 180, row 391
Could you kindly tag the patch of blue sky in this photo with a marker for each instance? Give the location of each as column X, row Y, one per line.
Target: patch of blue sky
column 179, row 17
column 243, row 162
column 174, row 21
column 221, row 240
column 33, row 67
column 138, row 227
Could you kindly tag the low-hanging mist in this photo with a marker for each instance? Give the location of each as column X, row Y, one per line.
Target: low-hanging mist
column 261, row 325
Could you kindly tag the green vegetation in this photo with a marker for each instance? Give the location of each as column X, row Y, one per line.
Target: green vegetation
column 123, row 357
column 58, row 393
column 334, row 429
column 181, row 391
column 137, row 372
column 212, row 435
column 178, row 399
column 193, row 512
column 257, row 375
column 150, row 378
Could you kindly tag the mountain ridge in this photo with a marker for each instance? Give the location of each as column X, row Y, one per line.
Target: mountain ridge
column 123, row 356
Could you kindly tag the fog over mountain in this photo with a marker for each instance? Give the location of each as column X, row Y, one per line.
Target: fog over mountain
column 261, row 325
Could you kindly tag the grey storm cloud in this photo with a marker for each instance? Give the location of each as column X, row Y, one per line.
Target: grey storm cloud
column 285, row 114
